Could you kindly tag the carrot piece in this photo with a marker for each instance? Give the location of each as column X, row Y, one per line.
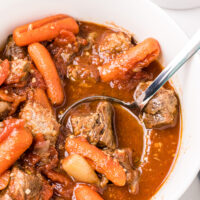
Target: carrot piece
column 9, row 125
column 4, row 179
column 46, row 67
column 16, row 143
column 65, row 38
column 84, row 192
column 41, row 22
column 103, row 163
column 132, row 60
column 4, row 71
column 41, row 98
column 44, row 29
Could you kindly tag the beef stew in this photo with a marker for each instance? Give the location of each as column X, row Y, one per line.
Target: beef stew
column 101, row 150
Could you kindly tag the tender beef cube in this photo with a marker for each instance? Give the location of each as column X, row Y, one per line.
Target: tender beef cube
column 40, row 120
column 25, row 186
column 43, row 155
column 91, row 39
column 5, row 108
column 96, row 126
column 13, row 52
column 36, row 79
column 77, row 72
column 63, row 54
column 162, row 109
column 105, row 112
column 114, row 42
column 19, row 71
column 124, row 156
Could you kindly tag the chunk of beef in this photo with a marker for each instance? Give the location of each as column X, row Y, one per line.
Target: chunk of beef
column 24, row 186
column 124, row 156
column 12, row 51
column 36, row 78
column 162, row 109
column 114, row 42
column 105, row 112
column 40, row 120
column 44, row 156
column 77, row 72
column 63, row 54
column 96, row 126
column 91, row 39
column 19, row 71
column 5, row 109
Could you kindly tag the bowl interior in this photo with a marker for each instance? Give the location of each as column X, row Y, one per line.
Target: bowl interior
column 144, row 19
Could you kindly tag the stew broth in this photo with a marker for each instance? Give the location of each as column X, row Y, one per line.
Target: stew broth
column 154, row 151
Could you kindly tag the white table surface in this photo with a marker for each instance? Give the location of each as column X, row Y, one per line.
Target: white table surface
column 189, row 22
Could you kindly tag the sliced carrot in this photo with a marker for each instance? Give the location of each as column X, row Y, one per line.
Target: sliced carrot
column 4, row 71
column 84, row 192
column 46, row 67
column 14, row 145
column 44, row 29
column 102, row 162
column 4, row 179
column 132, row 60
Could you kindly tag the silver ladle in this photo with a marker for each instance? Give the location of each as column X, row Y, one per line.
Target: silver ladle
column 187, row 52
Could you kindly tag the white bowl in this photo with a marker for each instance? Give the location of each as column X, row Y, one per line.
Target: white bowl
column 144, row 19
column 178, row 4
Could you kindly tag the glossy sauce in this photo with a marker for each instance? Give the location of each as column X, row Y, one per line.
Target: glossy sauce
column 154, row 151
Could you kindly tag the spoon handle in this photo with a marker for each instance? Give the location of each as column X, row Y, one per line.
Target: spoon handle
column 188, row 51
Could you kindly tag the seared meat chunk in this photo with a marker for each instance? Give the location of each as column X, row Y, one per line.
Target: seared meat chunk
column 96, row 126
column 124, row 156
column 5, row 108
column 13, row 52
column 63, row 54
column 77, row 72
column 25, row 186
column 114, row 42
column 91, row 39
column 162, row 109
column 19, row 71
column 40, row 120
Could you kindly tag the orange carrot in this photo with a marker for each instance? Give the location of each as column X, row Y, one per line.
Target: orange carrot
column 16, row 143
column 46, row 67
column 44, row 29
column 102, row 162
column 4, row 179
column 133, row 60
column 4, row 71
column 9, row 125
column 41, row 98
column 84, row 192
column 65, row 37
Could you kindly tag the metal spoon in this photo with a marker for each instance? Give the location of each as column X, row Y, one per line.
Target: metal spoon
column 187, row 52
